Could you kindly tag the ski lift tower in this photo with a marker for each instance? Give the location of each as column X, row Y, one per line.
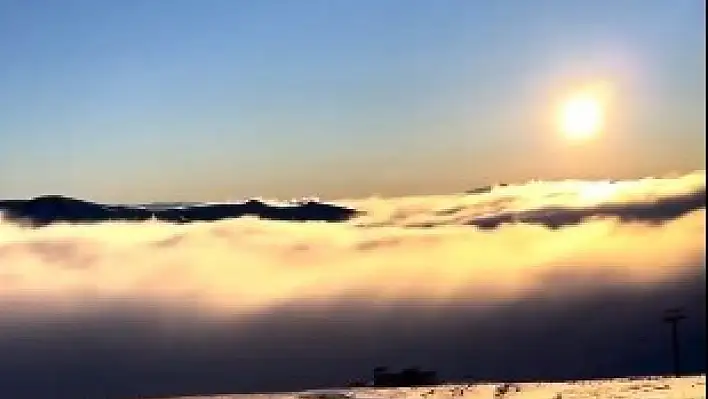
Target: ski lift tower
column 673, row 317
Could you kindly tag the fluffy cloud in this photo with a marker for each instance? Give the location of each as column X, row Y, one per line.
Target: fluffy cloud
column 270, row 304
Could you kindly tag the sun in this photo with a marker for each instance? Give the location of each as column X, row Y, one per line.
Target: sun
column 581, row 116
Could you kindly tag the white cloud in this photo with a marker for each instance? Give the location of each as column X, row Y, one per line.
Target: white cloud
column 251, row 264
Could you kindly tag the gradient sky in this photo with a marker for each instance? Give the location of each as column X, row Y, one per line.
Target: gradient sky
column 127, row 100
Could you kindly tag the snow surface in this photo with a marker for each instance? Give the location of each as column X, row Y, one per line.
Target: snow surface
column 693, row 387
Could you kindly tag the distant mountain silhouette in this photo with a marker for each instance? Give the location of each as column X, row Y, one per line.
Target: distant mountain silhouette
column 48, row 209
column 480, row 190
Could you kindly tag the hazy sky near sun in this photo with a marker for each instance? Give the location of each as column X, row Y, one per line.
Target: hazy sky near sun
column 208, row 100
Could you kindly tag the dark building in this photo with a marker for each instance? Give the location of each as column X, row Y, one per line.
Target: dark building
column 405, row 378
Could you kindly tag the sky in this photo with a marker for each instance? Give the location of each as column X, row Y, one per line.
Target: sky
column 134, row 101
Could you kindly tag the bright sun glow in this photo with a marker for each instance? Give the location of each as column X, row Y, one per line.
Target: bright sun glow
column 581, row 116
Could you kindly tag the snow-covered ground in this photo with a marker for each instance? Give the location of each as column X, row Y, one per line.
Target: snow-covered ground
column 650, row 388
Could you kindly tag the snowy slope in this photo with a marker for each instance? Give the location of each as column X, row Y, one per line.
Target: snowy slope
column 651, row 388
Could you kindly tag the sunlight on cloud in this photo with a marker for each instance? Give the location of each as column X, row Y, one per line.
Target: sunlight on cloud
column 455, row 209
column 249, row 265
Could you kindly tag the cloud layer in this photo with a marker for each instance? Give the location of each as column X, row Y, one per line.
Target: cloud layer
column 547, row 279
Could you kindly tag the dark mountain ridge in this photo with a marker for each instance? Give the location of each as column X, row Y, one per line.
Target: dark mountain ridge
column 48, row 209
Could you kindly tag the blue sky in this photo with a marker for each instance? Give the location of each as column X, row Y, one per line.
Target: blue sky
column 131, row 100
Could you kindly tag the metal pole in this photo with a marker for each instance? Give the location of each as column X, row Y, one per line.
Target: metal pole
column 673, row 317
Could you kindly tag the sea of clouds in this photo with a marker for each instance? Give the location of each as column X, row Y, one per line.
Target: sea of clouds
column 557, row 279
